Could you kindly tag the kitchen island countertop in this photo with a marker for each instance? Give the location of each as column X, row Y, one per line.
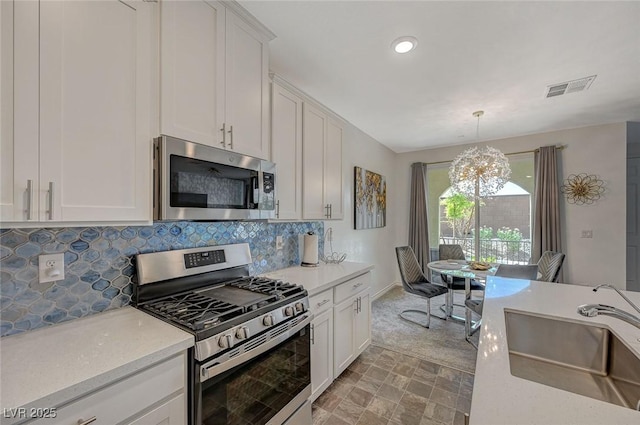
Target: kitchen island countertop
column 501, row 398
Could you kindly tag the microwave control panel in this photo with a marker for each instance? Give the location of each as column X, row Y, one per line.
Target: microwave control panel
column 206, row 258
column 268, row 182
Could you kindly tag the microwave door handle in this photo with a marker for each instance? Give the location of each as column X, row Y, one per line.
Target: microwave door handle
column 260, row 188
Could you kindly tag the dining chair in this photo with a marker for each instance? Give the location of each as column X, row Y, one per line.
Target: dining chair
column 516, row 271
column 454, row 252
column 549, row 266
column 415, row 282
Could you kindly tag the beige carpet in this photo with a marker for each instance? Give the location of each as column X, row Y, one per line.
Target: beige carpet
column 442, row 343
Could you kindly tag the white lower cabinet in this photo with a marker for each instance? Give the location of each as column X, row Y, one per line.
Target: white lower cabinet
column 362, row 324
column 343, row 352
column 321, row 305
column 170, row 412
column 321, row 353
column 352, row 321
column 154, row 396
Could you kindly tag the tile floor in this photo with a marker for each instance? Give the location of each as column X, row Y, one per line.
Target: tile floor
column 382, row 387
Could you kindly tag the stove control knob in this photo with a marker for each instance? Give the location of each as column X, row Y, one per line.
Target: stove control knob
column 288, row 311
column 267, row 320
column 299, row 308
column 242, row 333
column 225, row 341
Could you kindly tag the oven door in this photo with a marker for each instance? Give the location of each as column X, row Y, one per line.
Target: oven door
column 265, row 385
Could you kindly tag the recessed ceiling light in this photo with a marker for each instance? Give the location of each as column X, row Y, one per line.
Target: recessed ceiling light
column 404, row 44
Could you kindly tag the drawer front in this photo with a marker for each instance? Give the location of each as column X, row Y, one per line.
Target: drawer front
column 352, row 287
column 321, row 302
column 126, row 398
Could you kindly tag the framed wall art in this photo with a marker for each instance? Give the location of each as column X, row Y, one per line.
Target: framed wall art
column 370, row 207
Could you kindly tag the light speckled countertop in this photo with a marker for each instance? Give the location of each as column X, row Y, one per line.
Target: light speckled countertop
column 48, row 367
column 501, row 398
column 325, row 276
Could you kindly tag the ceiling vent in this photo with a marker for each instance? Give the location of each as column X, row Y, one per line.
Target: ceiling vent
column 570, row 86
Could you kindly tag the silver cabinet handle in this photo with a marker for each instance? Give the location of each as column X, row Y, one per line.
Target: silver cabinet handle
column 326, row 208
column 359, row 305
column 278, row 209
column 320, row 304
column 88, row 421
column 50, row 200
column 230, row 137
column 355, row 308
column 330, row 210
column 29, row 198
column 357, row 285
column 224, row 135
column 313, row 335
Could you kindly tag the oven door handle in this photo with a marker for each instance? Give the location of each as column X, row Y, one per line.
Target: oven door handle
column 213, row 368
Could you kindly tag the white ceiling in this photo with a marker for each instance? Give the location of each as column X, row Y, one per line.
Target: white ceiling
column 493, row 56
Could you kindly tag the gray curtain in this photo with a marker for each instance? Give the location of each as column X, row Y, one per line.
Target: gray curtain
column 546, row 223
column 418, row 224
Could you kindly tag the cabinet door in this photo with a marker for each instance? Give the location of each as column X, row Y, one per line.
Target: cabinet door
column 19, row 107
column 343, row 331
column 171, row 412
column 8, row 198
column 321, row 353
column 96, row 73
column 127, row 398
column 333, row 169
column 362, row 332
column 247, row 88
column 192, row 70
column 286, row 151
column 313, row 139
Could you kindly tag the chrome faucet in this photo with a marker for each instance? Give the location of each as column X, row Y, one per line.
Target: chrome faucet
column 592, row 310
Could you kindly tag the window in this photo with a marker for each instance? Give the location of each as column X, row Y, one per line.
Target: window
column 505, row 219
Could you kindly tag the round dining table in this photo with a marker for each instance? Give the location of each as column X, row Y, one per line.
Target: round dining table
column 461, row 269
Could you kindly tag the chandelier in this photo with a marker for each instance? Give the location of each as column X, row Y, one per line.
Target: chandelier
column 483, row 170
column 478, row 173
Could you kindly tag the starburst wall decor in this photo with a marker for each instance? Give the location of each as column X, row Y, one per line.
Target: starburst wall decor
column 582, row 189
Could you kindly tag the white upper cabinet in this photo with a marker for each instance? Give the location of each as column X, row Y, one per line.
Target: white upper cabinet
column 247, row 88
column 81, row 138
column 214, row 76
column 322, row 166
column 192, row 76
column 333, row 190
column 286, row 151
column 314, row 137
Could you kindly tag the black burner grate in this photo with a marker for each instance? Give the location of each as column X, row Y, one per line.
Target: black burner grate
column 206, row 308
column 194, row 310
column 267, row 286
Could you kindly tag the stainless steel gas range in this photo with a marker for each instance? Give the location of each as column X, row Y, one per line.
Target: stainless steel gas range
column 251, row 361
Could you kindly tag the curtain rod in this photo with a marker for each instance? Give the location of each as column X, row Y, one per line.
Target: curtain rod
column 558, row 148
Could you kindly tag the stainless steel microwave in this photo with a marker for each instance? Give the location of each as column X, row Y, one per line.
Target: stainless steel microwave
column 199, row 182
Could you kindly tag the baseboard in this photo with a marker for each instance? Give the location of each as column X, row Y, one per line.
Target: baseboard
column 385, row 290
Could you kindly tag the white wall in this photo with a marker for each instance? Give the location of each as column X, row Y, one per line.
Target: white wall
column 599, row 150
column 375, row 246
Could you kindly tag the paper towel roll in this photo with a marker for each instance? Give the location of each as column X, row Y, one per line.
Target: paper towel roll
column 310, row 250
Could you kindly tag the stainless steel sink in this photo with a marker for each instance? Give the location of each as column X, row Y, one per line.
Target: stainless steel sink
column 583, row 359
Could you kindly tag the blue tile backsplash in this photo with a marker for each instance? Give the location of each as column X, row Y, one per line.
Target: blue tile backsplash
column 99, row 268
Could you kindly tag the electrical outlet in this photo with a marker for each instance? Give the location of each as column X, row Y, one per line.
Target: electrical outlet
column 587, row 234
column 279, row 243
column 51, row 267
